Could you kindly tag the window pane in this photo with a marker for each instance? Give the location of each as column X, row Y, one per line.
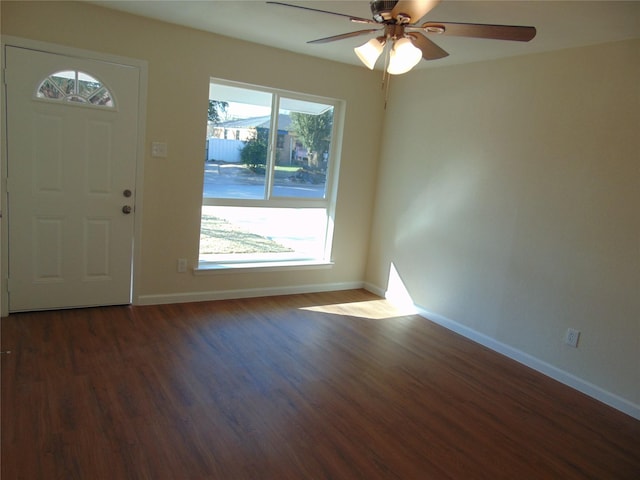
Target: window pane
column 49, row 89
column 258, row 233
column 87, row 85
column 102, row 97
column 75, row 86
column 239, row 125
column 65, row 81
column 302, row 158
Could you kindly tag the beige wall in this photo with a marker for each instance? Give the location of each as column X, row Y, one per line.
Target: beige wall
column 508, row 202
column 181, row 61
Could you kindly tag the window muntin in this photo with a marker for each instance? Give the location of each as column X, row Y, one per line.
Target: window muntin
column 277, row 193
column 76, row 87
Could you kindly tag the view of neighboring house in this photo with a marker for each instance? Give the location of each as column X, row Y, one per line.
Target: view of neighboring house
column 226, row 140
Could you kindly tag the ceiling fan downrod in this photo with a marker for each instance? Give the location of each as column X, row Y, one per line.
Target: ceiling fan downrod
column 393, row 31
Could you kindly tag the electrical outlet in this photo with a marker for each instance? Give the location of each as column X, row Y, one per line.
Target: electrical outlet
column 571, row 337
column 182, row 265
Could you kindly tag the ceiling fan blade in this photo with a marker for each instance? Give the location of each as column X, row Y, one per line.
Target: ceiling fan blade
column 478, row 30
column 430, row 51
column 414, row 9
column 350, row 17
column 344, row 35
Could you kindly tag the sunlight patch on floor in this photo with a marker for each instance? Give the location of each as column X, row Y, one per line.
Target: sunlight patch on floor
column 397, row 302
column 371, row 309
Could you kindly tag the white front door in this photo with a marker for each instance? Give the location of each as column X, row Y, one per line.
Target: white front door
column 71, row 165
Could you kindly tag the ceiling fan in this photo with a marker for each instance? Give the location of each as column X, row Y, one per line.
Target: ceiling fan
column 398, row 24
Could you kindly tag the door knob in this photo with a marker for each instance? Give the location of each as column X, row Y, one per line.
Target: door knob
column 126, row 209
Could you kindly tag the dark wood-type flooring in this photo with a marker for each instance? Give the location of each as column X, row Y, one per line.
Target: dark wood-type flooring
column 321, row 386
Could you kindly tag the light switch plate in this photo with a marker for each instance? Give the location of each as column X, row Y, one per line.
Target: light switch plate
column 158, row 149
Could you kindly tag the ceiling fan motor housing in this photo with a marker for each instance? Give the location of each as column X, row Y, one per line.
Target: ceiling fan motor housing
column 381, row 9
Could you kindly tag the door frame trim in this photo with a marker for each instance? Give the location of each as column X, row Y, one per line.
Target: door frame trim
column 142, row 66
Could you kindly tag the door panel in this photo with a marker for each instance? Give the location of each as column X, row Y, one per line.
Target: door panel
column 70, row 244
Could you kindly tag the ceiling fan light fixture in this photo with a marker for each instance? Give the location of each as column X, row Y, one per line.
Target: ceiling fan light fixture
column 403, row 57
column 369, row 52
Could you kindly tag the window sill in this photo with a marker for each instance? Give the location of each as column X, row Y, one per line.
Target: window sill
column 211, row 268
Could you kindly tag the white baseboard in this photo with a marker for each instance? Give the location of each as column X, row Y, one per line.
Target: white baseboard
column 242, row 293
column 541, row 366
column 375, row 290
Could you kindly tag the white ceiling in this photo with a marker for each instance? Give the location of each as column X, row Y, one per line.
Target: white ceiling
column 560, row 24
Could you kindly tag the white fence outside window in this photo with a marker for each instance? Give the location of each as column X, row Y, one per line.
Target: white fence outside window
column 222, row 149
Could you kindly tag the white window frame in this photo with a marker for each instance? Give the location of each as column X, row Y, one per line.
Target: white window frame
column 328, row 202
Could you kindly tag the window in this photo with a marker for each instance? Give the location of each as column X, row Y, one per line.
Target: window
column 270, row 166
column 75, row 86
